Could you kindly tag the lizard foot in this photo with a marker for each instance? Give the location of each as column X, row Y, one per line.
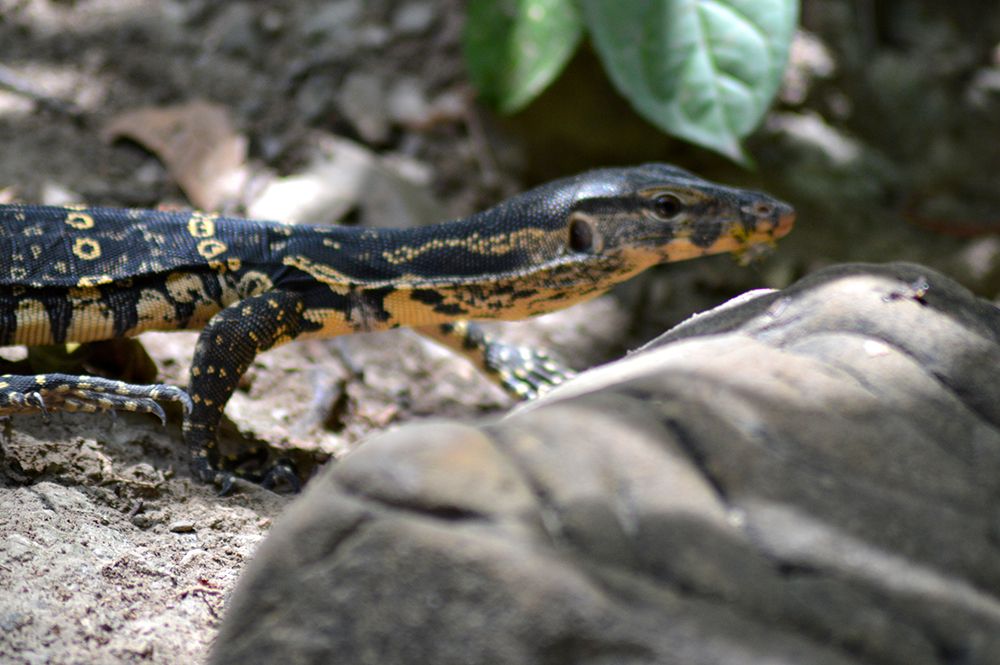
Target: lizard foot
column 524, row 371
column 46, row 393
column 249, row 467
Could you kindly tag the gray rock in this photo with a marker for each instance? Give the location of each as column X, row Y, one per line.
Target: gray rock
column 407, row 102
column 362, row 101
column 806, row 476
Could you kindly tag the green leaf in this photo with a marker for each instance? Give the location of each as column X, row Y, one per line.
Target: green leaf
column 702, row 70
column 515, row 48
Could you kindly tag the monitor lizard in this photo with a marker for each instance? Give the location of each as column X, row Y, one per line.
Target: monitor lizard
column 79, row 274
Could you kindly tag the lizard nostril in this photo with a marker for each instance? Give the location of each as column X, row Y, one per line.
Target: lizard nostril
column 763, row 209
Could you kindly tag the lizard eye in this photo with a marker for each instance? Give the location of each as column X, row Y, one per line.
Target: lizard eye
column 667, row 206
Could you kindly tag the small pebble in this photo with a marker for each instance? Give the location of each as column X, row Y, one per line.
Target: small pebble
column 182, row 526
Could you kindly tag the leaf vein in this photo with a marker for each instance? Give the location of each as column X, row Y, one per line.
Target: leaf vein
column 716, row 92
column 742, row 16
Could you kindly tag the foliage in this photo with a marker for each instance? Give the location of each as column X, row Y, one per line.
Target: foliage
column 702, row 70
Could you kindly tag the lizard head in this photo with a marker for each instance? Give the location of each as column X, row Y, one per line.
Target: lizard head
column 657, row 213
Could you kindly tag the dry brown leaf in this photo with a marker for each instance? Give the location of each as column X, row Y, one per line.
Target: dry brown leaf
column 198, row 144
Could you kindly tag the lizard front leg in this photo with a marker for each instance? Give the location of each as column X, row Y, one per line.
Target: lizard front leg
column 226, row 347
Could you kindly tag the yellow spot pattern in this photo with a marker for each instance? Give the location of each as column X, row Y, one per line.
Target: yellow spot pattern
column 87, row 249
column 88, row 281
column 321, row 272
column 211, row 248
column 79, row 220
column 201, row 225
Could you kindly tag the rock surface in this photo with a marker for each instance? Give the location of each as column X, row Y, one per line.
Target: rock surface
column 804, row 476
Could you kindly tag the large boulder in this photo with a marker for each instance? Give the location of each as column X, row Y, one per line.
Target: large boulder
column 804, row 476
